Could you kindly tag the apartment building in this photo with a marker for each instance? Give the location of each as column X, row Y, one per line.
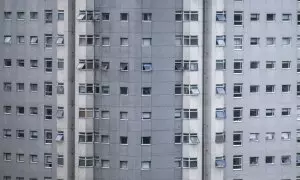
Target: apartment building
column 150, row 89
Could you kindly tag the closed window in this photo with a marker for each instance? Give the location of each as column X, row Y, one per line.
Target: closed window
column 20, row 157
column 270, row 112
column 146, row 91
column 7, row 87
column 238, row 42
column 238, row 18
column 254, row 88
column 237, row 162
column 286, row 159
column 20, row 110
column 189, row 162
column 33, row 110
column 146, row 165
column 286, row 41
column 7, row 156
column 286, row 88
column 48, row 160
column 238, row 66
column 33, row 63
column 147, row 16
column 190, row 40
column 270, row 159
column 271, row 41
column 48, row 89
column 48, row 136
column 178, row 16
column 123, row 164
column 220, row 137
column 33, row 158
column 146, row 42
column 20, row 63
column 270, row 88
column 237, row 114
column 33, row 87
column 270, row 136
column 253, row 137
column 6, row 133
column 20, row 15
column 286, row 111
column 48, row 16
column 146, row 140
column 237, row 90
column 33, row 134
column 60, row 160
column 220, row 113
column 48, row 40
column 220, row 64
column 237, row 138
column 123, row 140
column 20, row 39
column 105, row 16
column 123, row 115
column 60, row 15
column 33, row 15
column 254, row 112
column 105, row 139
column 190, row 113
column 270, row 17
column 190, row 15
column 7, row 109
column 124, row 16
column 48, row 65
column 286, row 136
column 286, row 17
column 254, row 41
column 253, row 161
column 7, row 15
column 124, row 41
column 20, row 86
column 254, row 17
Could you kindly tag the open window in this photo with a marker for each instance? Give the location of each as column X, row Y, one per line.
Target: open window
column 220, row 162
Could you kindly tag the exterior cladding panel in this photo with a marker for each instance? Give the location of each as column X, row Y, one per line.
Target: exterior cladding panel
column 162, row 103
column 27, row 99
column 262, row 100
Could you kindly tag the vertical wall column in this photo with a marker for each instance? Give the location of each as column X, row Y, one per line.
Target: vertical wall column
column 213, row 98
column 84, row 123
column 192, row 28
column 65, row 91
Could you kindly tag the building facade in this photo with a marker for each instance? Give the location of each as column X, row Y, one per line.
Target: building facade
column 150, row 89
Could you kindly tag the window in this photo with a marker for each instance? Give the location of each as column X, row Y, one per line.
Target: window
column 190, row 65
column 220, row 64
column 253, row 137
column 286, row 159
column 123, row 164
column 177, row 138
column 146, row 91
column 254, row 41
column 286, row 111
column 20, row 133
column 270, row 88
column 60, row 40
column 237, row 138
column 20, row 178
column 220, row 89
column 34, row 40
column 33, row 63
column 20, row 63
column 20, row 157
column 254, row 88
column 237, row 162
column 20, row 87
column 190, row 40
column 238, row 18
column 220, row 41
column 146, row 165
column 105, row 90
column 20, row 15
column 124, row 140
column 286, row 136
column 105, row 139
column 147, row 16
column 270, row 159
column 60, row 64
column 220, row 162
column 220, row 137
column 146, row 66
column 6, row 177
column 271, row 41
column 286, row 41
column 60, row 88
column 6, row 133
column 253, row 161
column 48, row 136
column 238, row 42
column 60, row 15
column 33, row 110
column 298, row 162
column 237, row 90
column 189, row 162
column 7, row 156
column 7, row 39
column 270, row 136
column 270, row 17
column 7, row 87
column 298, row 112
column 178, row 40
column 7, row 63
column 33, row 15
column 286, row 17
column 124, row 16
column 88, row 113
column 146, row 115
column 298, row 88
column 7, row 109
column 220, row 113
column 285, row 88
column 105, row 41
column 270, row 112
column 60, row 160
column 60, row 136
column 190, row 138
column 33, row 134
column 89, row 40
column 124, row 41
column 60, row 112
column 124, row 90
column 298, row 135
column 48, row 40
column 254, row 112
column 88, row 64
column 105, row 115
column 48, row 160
column 190, row 113
column 105, row 16
column 298, row 42
column 190, row 89
column 86, row 161
column 123, row 66
column 123, row 115
column 237, row 114
column 146, row 140
column 177, row 113
column 48, row 16
column 238, row 66
column 254, row 17
column 146, row 42
column 190, row 15
column 88, row 88
column 221, row 16
column 33, row 158
column 298, row 65
column 298, row 18
column 178, row 16
column 33, row 87
column 20, row 39
column 7, row 15
column 87, row 137
column 48, row 88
